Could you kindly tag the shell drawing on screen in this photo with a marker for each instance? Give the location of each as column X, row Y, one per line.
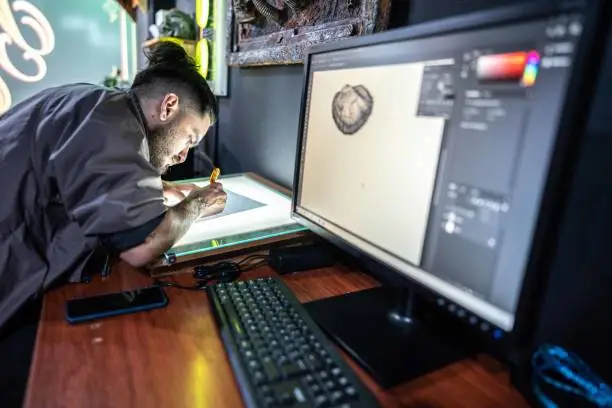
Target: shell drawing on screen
column 351, row 108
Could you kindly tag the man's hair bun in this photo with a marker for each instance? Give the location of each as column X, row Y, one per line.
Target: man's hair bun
column 166, row 53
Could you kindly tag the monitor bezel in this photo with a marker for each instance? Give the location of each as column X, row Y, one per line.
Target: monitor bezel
column 564, row 156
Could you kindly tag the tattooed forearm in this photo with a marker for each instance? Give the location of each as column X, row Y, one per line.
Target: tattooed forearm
column 175, row 224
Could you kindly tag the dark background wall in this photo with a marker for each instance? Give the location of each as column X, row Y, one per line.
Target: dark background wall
column 258, row 123
column 259, row 120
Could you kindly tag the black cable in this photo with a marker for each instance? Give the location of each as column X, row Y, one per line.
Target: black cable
column 204, row 274
column 202, row 271
column 168, row 284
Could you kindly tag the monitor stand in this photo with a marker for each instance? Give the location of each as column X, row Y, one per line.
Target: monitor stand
column 392, row 343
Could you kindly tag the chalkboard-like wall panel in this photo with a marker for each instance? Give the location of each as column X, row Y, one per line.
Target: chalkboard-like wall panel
column 258, row 123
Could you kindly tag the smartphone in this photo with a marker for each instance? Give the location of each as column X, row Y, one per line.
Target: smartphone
column 113, row 304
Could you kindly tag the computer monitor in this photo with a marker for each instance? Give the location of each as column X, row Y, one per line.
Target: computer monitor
column 434, row 150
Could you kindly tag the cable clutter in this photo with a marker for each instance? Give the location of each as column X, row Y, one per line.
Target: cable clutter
column 566, row 372
column 220, row 272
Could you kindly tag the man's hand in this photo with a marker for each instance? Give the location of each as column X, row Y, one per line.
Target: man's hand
column 210, row 200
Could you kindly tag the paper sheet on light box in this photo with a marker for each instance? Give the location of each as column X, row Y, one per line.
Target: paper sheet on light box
column 236, row 203
column 251, row 206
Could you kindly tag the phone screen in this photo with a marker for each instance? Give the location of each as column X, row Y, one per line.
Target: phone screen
column 112, row 304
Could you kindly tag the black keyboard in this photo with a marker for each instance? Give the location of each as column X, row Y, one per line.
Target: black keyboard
column 279, row 355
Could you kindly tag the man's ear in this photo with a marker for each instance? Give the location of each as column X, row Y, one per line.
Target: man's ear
column 169, row 107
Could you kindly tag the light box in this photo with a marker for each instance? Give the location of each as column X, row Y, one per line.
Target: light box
column 256, row 212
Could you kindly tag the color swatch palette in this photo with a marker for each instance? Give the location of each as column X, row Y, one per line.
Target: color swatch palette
column 531, row 69
column 513, row 66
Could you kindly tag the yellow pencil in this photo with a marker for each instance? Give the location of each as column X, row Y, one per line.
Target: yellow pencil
column 215, row 175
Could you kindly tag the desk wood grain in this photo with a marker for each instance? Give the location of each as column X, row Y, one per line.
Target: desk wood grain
column 173, row 357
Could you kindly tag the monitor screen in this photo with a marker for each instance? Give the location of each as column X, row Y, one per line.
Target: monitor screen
column 430, row 155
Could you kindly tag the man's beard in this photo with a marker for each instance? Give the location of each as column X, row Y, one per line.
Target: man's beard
column 160, row 142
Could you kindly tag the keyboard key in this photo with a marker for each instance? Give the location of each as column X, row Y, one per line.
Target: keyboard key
column 316, row 390
column 313, row 361
column 291, row 394
column 350, row 392
column 336, row 397
column 269, row 401
column 270, row 369
column 253, row 365
column 321, row 401
column 259, row 377
column 291, row 369
column 286, row 399
column 329, row 385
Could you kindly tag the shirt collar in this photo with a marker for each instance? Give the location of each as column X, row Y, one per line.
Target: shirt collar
column 135, row 104
column 137, row 108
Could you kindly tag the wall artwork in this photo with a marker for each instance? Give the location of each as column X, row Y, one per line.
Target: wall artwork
column 277, row 32
column 46, row 43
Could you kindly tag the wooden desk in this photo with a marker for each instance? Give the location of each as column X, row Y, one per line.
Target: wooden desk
column 173, row 357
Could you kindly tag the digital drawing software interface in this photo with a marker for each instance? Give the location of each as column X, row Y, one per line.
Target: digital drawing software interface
column 431, row 155
column 411, row 146
column 388, row 176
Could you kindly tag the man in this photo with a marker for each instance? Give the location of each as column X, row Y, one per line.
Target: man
column 81, row 165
